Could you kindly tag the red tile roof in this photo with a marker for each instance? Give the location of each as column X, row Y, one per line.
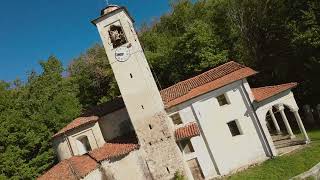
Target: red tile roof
column 176, row 94
column 73, row 168
column 188, row 131
column 112, row 150
column 266, row 92
column 78, row 167
column 77, row 123
column 205, row 82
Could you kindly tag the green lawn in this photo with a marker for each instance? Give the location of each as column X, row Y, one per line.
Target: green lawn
column 286, row 166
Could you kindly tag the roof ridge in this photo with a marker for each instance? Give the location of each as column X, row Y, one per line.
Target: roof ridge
column 206, row 72
column 277, row 85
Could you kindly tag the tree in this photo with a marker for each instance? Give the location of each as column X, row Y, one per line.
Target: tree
column 30, row 115
column 280, row 39
column 94, row 77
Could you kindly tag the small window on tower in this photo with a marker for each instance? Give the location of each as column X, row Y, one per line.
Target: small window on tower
column 117, row 36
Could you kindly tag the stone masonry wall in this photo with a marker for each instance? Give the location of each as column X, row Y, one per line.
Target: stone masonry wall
column 158, row 147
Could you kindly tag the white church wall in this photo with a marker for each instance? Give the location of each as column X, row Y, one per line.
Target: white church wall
column 248, row 89
column 124, row 168
column 203, row 157
column 187, row 115
column 85, row 132
column 94, row 175
column 61, row 147
column 67, row 144
column 115, row 124
column 228, row 153
column 128, row 167
column 201, row 151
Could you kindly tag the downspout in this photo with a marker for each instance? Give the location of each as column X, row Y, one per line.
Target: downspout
column 257, row 119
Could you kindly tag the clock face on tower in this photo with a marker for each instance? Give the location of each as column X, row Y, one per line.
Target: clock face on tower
column 122, row 54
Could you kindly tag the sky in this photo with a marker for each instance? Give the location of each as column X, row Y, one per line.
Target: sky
column 32, row 30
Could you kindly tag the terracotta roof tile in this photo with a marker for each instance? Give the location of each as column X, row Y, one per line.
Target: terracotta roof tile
column 266, row 92
column 176, row 94
column 73, row 168
column 205, row 82
column 116, row 147
column 187, row 131
column 112, row 150
column 78, row 167
column 80, row 121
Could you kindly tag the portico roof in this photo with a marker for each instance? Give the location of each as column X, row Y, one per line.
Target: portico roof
column 263, row 93
column 80, row 121
column 188, row 131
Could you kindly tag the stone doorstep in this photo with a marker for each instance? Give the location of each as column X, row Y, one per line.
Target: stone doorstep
column 281, row 141
column 288, row 150
column 288, row 143
column 279, row 137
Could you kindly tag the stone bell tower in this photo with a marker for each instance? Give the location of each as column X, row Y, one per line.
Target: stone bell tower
column 139, row 92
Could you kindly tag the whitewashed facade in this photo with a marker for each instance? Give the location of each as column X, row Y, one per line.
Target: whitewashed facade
column 230, row 117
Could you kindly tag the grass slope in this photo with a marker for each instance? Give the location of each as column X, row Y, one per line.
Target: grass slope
column 286, row 166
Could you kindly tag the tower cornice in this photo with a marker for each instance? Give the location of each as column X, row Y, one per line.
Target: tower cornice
column 105, row 15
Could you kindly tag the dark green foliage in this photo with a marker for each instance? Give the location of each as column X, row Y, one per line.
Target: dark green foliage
column 186, row 42
column 279, row 38
column 29, row 115
column 178, row 176
column 93, row 75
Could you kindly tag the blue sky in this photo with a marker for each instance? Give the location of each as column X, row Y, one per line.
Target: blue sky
column 32, row 30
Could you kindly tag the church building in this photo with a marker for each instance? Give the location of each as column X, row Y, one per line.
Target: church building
column 208, row 126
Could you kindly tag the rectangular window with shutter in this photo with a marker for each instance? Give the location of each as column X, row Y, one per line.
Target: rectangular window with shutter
column 234, row 128
column 176, row 119
column 222, row 100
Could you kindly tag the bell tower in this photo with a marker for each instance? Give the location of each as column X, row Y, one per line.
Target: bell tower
column 140, row 93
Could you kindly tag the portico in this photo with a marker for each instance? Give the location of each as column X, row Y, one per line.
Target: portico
column 276, row 102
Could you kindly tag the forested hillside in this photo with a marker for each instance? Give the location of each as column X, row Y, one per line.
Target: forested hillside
column 279, row 38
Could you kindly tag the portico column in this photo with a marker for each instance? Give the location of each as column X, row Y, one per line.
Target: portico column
column 286, row 122
column 300, row 124
column 274, row 120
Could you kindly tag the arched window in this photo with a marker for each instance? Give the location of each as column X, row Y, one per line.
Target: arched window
column 117, row 36
column 83, row 145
